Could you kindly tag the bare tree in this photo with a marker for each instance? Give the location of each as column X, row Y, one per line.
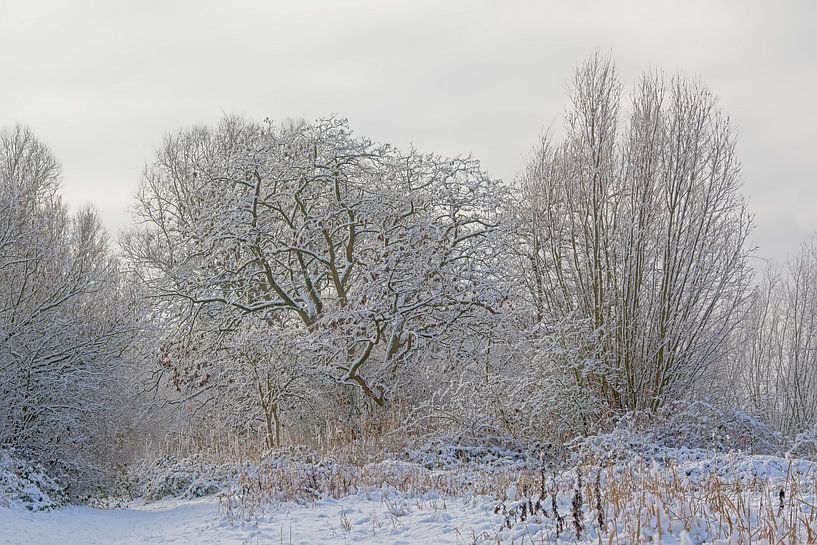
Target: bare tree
column 773, row 372
column 640, row 230
column 65, row 320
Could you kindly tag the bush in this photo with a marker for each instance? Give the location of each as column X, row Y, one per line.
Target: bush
column 26, row 484
column 681, row 425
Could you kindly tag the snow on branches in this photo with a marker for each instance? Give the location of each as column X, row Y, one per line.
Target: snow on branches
column 362, row 253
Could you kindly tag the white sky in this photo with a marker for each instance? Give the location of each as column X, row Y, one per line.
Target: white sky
column 102, row 82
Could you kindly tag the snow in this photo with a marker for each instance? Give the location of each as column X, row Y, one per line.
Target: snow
column 364, row 518
column 287, row 499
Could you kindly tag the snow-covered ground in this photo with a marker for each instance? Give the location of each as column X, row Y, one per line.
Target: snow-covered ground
column 719, row 500
column 636, row 492
column 363, row 519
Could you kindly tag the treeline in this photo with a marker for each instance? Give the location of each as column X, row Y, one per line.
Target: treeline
column 67, row 319
column 293, row 282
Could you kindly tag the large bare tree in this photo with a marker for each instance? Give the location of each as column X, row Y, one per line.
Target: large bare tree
column 369, row 253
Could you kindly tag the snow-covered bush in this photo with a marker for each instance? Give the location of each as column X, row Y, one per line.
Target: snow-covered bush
column 25, row 484
column 561, row 398
column 190, row 477
column 804, row 444
column 700, row 424
column 681, row 425
column 540, row 387
column 486, row 448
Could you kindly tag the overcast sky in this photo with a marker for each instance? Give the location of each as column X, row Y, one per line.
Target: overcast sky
column 102, row 82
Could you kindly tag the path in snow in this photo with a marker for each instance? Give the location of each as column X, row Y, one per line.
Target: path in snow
column 359, row 519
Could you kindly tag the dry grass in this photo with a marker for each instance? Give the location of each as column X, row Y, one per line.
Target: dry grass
column 614, row 504
column 643, row 503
